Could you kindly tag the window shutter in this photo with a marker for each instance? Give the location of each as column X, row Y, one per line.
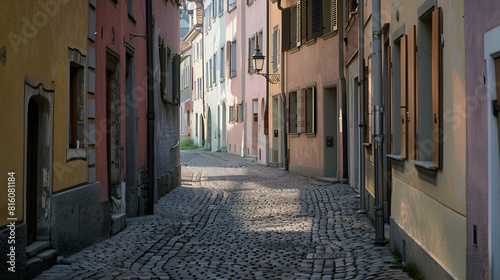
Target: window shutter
column 301, row 111
column 411, row 101
column 403, row 93
column 249, row 54
column 277, row 48
column 272, row 50
column 317, row 18
column 176, row 75
column 285, row 23
column 228, row 58
column 334, row 15
column 163, row 69
column 436, row 86
column 313, row 119
column 287, row 125
column 302, row 24
column 389, row 100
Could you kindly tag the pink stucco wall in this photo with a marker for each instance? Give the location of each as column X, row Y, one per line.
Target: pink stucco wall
column 316, row 63
column 115, row 20
column 255, row 85
column 479, row 19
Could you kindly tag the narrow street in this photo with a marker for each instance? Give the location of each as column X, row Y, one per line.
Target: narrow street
column 234, row 219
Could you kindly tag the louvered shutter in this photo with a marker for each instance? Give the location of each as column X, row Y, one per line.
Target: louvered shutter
column 273, row 48
column 436, row 86
column 316, row 18
column 412, row 89
column 278, row 53
column 389, row 100
column 285, row 23
column 302, row 30
column 403, row 93
column 334, row 15
column 301, row 111
column 228, row 58
column 370, row 99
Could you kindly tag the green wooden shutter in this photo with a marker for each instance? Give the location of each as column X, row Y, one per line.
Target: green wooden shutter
column 303, row 20
column 163, row 69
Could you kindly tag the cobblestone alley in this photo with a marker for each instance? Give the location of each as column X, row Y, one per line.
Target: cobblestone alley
column 234, row 219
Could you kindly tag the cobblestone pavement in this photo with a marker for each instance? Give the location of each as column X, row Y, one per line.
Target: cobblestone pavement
column 234, row 219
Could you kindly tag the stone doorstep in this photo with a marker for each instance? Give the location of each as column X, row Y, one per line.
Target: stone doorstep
column 331, row 180
column 118, row 223
column 37, row 247
column 42, row 261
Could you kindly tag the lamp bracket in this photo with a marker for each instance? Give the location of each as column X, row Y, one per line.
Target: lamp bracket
column 272, row 78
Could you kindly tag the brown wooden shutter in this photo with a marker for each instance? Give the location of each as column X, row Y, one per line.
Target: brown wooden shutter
column 317, row 18
column 298, row 17
column 412, row 90
column 436, row 86
column 303, row 20
column 403, row 93
column 285, row 25
column 301, row 111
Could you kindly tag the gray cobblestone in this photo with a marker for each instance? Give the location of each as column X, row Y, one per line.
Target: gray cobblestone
column 233, row 219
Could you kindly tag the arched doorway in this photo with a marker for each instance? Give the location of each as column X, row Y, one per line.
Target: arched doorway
column 38, row 161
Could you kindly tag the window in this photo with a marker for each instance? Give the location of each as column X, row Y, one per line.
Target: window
column 255, row 103
column 233, row 59
column 221, row 68
column 196, row 126
column 292, row 112
column 398, row 81
column 231, row 114
column 130, row 6
column 350, row 7
column 428, row 139
column 207, row 75
column 249, row 2
column 275, row 48
column 251, row 51
column 307, row 20
column 214, row 79
column 260, row 41
column 214, row 10
column 210, row 72
column 231, row 5
column 76, row 106
column 221, row 7
column 240, row 112
column 310, row 110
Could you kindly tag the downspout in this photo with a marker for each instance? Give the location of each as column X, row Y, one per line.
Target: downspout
column 378, row 137
column 343, row 95
column 283, row 97
column 266, row 115
column 361, row 76
column 151, row 110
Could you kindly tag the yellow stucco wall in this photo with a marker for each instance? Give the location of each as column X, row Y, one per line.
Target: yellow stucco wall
column 37, row 39
column 434, row 214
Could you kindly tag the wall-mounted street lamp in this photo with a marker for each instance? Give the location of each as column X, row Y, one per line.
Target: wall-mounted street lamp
column 258, row 63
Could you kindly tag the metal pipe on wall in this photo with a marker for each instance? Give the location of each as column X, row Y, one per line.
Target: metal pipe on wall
column 378, row 138
column 361, row 75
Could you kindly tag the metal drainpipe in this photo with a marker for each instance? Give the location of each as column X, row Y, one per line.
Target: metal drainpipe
column 267, row 87
column 283, row 97
column 345, row 168
column 151, row 110
column 361, row 75
column 378, row 138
